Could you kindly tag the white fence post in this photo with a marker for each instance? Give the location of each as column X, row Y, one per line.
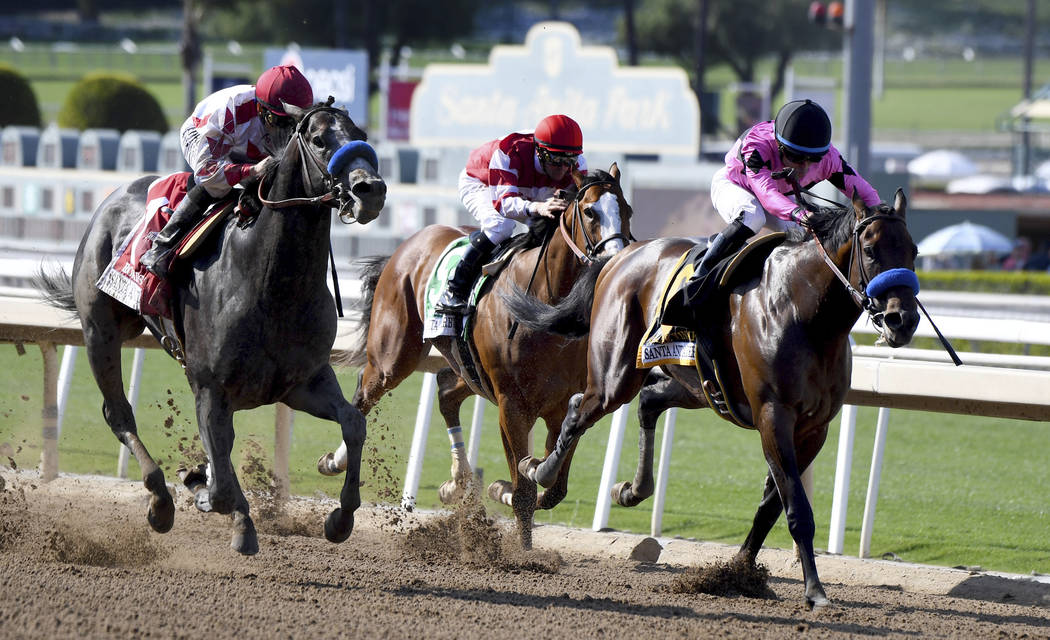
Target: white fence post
column 474, row 440
column 49, row 413
column 612, row 461
column 65, row 380
column 843, row 464
column 873, row 483
column 663, row 471
column 419, row 440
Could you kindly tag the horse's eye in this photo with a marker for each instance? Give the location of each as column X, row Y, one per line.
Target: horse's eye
column 318, row 142
column 869, row 251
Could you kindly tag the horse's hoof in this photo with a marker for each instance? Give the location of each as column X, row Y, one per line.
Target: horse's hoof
column 193, row 478
column 501, row 491
column 338, row 525
column 527, row 467
column 326, row 465
column 161, row 514
column 621, row 494
column 245, row 539
column 546, row 474
column 202, row 500
column 817, row 600
column 450, row 493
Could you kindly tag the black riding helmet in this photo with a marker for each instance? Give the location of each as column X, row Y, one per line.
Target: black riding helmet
column 803, row 126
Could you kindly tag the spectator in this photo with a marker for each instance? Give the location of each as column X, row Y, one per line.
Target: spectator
column 1017, row 258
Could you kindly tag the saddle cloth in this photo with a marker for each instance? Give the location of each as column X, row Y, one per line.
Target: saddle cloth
column 665, row 344
column 125, row 279
column 437, row 324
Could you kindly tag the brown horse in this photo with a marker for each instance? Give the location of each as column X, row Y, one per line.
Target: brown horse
column 784, row 331
column 527, row 374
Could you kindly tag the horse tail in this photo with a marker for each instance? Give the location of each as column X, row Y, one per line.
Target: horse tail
column 369, row 269
column 57, row 287
column 570, row 317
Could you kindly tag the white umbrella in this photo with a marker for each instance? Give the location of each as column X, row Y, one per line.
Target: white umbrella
column 965, row 237
column 940, row 166
column 981, row 184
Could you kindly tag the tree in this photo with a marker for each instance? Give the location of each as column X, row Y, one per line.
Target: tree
column 738, row 33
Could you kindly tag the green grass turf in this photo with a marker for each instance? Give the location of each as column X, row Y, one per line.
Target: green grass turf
column 956, row 490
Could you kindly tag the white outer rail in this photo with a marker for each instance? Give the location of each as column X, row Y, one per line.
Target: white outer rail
column 1003, row 386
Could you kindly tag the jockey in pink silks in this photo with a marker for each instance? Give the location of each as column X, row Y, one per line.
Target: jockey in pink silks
column 748, row 197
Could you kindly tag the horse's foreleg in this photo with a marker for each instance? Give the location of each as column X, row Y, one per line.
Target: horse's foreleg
column 553, row 495
column 452, row 391
column 777, row 427
column 103, row 349
column 545, row 472
column 765, row 517
column 322, row 397
column 385, row 370
column 659, row 393
column 522, row 492
column 223, row 493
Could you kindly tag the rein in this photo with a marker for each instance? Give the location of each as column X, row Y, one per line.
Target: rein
column 873, row 287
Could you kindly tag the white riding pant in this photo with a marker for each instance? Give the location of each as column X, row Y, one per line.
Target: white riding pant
column 477, row 198
column 735, row 202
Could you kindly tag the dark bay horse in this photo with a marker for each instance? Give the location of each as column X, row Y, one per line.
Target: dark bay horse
column 528, row 376
column 786, row 330
column 253, row 312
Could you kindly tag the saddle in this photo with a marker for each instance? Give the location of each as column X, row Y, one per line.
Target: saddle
column 694, row 343
column 125, row 279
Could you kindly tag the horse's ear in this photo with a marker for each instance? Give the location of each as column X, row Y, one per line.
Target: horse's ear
column 294, row 111
column 614, row 171
column 900, row 203
column 577, row 177
column 859, row 207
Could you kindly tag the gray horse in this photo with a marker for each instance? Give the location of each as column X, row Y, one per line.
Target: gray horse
column 252, row 310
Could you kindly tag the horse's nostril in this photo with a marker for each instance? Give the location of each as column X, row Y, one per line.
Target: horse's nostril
column 893, row 320
column 366, row 188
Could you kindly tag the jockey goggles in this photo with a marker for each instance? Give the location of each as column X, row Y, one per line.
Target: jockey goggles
column 557, row 159
column 799, row 157
column 274, row 120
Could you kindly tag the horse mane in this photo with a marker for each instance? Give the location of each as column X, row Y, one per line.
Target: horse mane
column 832, row 225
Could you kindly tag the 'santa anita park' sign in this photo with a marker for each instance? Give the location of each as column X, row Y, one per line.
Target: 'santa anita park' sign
column 638, row 110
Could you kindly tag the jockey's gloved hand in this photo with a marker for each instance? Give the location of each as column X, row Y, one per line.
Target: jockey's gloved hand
column 800, row 215
column 261, row 167
column 549, row 208
column 248, row 202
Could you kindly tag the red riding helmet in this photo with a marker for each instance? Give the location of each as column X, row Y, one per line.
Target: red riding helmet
column 559, row 134
column 286, row 83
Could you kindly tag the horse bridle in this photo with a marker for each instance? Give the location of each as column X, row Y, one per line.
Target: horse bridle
column 870, row 288
column 592, row 247
column 309, row 160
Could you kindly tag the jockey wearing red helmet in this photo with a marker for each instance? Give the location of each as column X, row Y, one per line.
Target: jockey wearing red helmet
column 513, row 179
column 231, row 135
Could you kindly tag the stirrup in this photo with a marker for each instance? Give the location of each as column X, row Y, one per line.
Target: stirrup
column 451, row 304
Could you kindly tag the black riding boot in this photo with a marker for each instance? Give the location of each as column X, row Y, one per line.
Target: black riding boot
column 454, row 300
column 189, row 211
column 678, row 310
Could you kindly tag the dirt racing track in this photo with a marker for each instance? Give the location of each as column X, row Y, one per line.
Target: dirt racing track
column 77, row 559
